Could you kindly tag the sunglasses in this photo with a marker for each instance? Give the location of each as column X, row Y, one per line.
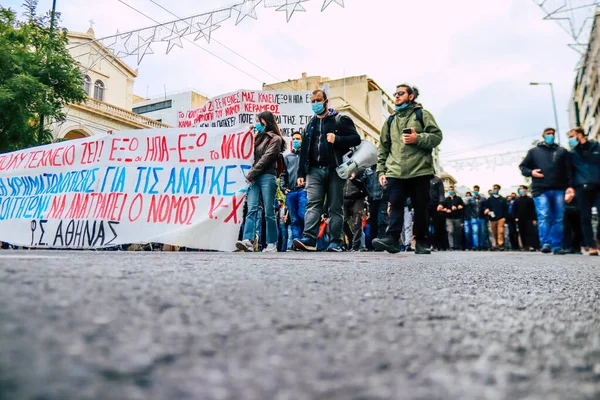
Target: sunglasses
column 399, row 93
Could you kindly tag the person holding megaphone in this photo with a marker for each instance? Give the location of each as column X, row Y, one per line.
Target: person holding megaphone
column 405, row 164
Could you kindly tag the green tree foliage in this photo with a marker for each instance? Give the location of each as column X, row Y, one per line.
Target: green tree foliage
column 38, row 77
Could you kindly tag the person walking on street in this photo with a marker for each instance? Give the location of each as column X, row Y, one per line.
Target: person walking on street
column 268, row 144
column 524, row 214
column 584, row 183
column 354, row 206
column 295, row 196
column 497, row 210
column 548, row 165
column 477, row 204
column 328, row 136
column 378, row 204
column 405, row 163
column 454, row 209
column 468, row 215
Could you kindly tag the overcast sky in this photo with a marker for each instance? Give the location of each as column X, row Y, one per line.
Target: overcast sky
column 471, row 59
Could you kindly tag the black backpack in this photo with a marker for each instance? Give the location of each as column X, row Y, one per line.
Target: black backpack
column 418, row 115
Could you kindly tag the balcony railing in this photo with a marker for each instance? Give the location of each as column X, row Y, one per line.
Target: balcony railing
column 123, row 114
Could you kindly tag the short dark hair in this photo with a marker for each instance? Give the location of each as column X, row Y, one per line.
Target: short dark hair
column 495, row 184
column 409, row 89
column 320, row 91
column 524, row 187
column 548, row 130
column 579, row 130
column 296, row 133
column 451, row 187
column 468, row 194
column 476, row 186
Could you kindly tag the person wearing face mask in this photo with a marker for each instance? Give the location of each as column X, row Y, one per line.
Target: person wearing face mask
column 468, row 215
column 584, row 183
column 268, row 144
column 477, row 225
column 295, row 195
column 328, row 136
column 405, row 164
column 454, row 209
column 548, row 164
column 497, row 211
column 523, row 212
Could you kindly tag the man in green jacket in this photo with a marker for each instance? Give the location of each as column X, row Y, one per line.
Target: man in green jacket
column 405, row 164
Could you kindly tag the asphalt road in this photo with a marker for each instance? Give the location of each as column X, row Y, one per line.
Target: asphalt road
column 152, row 325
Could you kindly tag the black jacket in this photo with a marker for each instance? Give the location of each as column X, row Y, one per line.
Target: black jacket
column 436, row 192
column 553, row 161
column 316, row 151
column 355, row 188
column 499, row 206
column 288, row 180
column 524, row 209
column 585, row 164
column 455, row 201
column 475, row 208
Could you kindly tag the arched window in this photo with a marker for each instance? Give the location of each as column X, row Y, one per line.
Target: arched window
column 99, row 90
column 87, row 84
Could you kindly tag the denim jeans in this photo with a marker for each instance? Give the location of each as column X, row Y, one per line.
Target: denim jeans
column 321, row 183
column 478, row 229
column 265, row 186
column 296, row 203
column 290, row 237
column 468, row 233
column 282, row 238
column 550, row 208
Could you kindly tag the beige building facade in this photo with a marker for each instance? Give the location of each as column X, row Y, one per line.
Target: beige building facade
column 358, row 97
column 108, row 82
column 584, row 106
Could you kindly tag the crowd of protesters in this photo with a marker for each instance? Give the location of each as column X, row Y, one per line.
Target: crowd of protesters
column 400, row 205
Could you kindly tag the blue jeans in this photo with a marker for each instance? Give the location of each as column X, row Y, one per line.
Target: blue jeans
column 296, row 203
column 478, row 229
column 282, row 238
column 550, row 207
column 468, row 234
column 265, row 186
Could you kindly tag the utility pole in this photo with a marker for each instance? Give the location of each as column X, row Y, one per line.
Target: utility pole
column 52, row 18
column 553, row 105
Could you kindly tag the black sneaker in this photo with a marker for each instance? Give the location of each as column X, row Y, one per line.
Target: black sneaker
column 422, row 249
column 559, row 252
column 546, row 249
column 305, row 244
column 386, row 244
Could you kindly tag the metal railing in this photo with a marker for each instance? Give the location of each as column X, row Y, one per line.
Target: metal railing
column 124, row 114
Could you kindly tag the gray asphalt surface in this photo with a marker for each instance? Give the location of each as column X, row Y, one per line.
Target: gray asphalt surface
column 151, row 325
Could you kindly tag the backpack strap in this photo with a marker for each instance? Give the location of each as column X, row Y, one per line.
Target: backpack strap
column 418, row 116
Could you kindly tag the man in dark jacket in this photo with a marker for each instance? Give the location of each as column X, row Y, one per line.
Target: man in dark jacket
column 435, row 212
column 548, row 164
column 454, row 209
column 497, row 210
column 405, row 163
column 327, row 138
column 378, row 204
column 295, row 196
column 523, row 212
column 476, row 212
column 584, row 183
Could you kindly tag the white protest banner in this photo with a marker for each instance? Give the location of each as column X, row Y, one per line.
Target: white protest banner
column 183, row 187
column 292, row 110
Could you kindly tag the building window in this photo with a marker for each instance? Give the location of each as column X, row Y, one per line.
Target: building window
column 87, row 85
column 153, row 107
column 99, row 90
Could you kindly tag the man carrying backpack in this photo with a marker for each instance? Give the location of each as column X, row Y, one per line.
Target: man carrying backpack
column 327, row 138
column 405, row 163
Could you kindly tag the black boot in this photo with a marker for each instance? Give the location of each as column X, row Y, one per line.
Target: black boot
column 422, row 249
column 388, row 244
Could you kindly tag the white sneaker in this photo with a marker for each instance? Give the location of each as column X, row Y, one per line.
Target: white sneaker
column 271, row 248
column 244, row 245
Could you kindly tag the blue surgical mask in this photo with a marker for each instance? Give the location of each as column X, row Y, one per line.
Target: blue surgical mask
column 573, row 142
column 468, row 197
column 495, row 192
column 475, row 193
column 451, row 192
column 549, row 139
column 521, row 192
column 259, row 127
column 318, row 108
column 402, row 107
column 296, row 144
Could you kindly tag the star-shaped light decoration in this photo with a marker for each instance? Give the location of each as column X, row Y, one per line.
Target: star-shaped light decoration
column 246, row 9
column 291, row 6
column 144, row 47
column 326, row 3
column 205, row 29
column 175, row 38
column 122, row 44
